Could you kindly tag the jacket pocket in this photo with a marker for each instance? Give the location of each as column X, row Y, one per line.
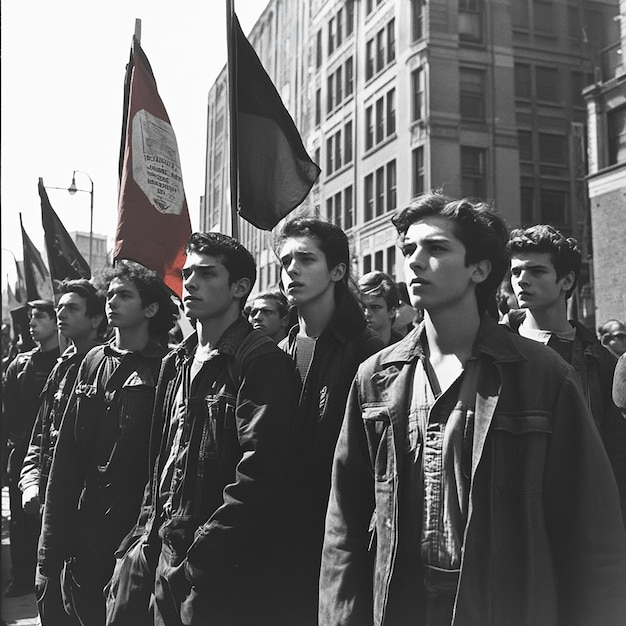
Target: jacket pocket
column 377, row 423
column 520, row 447
column 220, row 433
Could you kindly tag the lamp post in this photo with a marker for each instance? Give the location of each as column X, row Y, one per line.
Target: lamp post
column 73, row 189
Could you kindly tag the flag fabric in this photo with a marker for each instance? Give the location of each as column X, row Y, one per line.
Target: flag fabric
column 64, row 259
column 20, row 283
column 153, row 223
column 36, row 274
column 275, row 171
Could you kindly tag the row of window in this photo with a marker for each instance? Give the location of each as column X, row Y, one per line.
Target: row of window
column 380, row 191
column 380, row 50
column 340, row 27
column 546, row 84
column 339, row 149
column 380, row 119
column 340, row 208
column 551, row 148
column 340, row 85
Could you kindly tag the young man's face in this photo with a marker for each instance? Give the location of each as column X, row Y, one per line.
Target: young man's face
column 377, row 315
column 305, row 274
column 615, row 339
column 264, row 316
column 534, row 281
column 434, row 265
column 124, row 308
column 42, row 327
column 207, row 294
column 72, row 318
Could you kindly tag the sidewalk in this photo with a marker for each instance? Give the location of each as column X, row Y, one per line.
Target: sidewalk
column 20, row 611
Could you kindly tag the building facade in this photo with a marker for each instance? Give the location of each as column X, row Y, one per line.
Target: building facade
column 100, row 257
column 393, row 97
column 606, row 110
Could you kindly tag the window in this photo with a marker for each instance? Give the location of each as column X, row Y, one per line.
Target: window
column 471, row 20
column 329, row 210
column 522, row 81
column 339, row 85
column 552, row 149
column 574, row 28
column 338, row 213
column 349, row 18
column 339, row 23
column 526, row 204
column 378, row 261
column 318, row 107
column 472, row 103
column 391, row 41
column 391, row 261
column 525, row 142
column 369, row 127
column 369, row 59
column 417, row 19
column 369, row 197
column 347, row 142
column 348, row 207
column 318, row 159
column 473, row 183
column 369, row 7
column 547, row 84
column 367, row 263
column 334, row 157
column 338, row 160
column 519, row 15
column 543, row 19
column 380, row 120
column 318, row 50
column 380, row 191
column 616, row 130
column 391, row 112
column 380, row 50
column 331, row 36
column 330, row 93
column 330, row 154
column 418, row 171
column 391, row 186
column 349, row 77
column 553, row 205
column 417, row 94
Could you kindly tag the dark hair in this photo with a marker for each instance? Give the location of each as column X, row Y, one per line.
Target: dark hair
column 47, row 306
column 564, row 251
column 607, row 327
column 151, row 289
column 236, row 258
column 333, row 242
column 477, row 226
column 277, row 296
column 94, row 299
column 381, row 285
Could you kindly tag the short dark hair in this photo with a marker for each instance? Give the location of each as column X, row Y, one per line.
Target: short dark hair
column 564, row 251
column 47, row 306
column 477, row 226
column 94, row 298
column 277, row 296
column 235, row 257
column 380, row 285
column 151, row 289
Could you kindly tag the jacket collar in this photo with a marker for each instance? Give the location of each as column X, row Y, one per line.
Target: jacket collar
column 491, row 340
column 228, row 343
column 153, row 349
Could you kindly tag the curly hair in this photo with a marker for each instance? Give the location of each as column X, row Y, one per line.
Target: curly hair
column 564, row 251
column 151, row 289
column 93, row 296
column 380, row 285
column 477, row 226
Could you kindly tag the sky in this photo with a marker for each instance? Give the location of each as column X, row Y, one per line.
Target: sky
column 62, row 72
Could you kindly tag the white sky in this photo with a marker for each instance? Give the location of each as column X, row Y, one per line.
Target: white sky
column 63, row 64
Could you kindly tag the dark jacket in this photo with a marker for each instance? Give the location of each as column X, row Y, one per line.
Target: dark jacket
column 100, row 465
column 595, row 367
column 543, row 544
column 228, row 497
column 54, row 399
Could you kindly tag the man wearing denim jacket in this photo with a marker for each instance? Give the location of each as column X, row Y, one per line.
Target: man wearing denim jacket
column 470, row 485
column 207, row 546
column 100, row 464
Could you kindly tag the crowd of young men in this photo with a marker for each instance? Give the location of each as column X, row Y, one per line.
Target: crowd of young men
column 303, row 458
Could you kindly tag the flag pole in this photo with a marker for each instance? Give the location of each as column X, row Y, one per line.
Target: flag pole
column 232, row 106
column 138, row 30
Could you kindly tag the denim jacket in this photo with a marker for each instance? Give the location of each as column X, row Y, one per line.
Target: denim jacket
column 226, row 500
column 544, row 541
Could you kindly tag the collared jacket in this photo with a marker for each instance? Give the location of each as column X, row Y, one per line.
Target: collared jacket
column 100, row 465
column 227, row 498
column 595, row 366
column 54, row 399
column 544, row 541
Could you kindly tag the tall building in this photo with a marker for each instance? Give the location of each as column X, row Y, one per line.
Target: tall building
column 606, row 110
column 393, row 97
column 99, row 254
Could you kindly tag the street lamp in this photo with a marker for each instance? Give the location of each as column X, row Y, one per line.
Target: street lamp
column 73, row 189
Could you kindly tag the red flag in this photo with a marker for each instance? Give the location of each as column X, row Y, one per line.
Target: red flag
column 37, row 277
column 275, row 171
column 153, row 220
column 64, row 258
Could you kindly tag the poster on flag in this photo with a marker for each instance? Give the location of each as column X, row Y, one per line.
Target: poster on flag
column 64, row 259
column 153, row 219
column 275, row 172
column 36, row 274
